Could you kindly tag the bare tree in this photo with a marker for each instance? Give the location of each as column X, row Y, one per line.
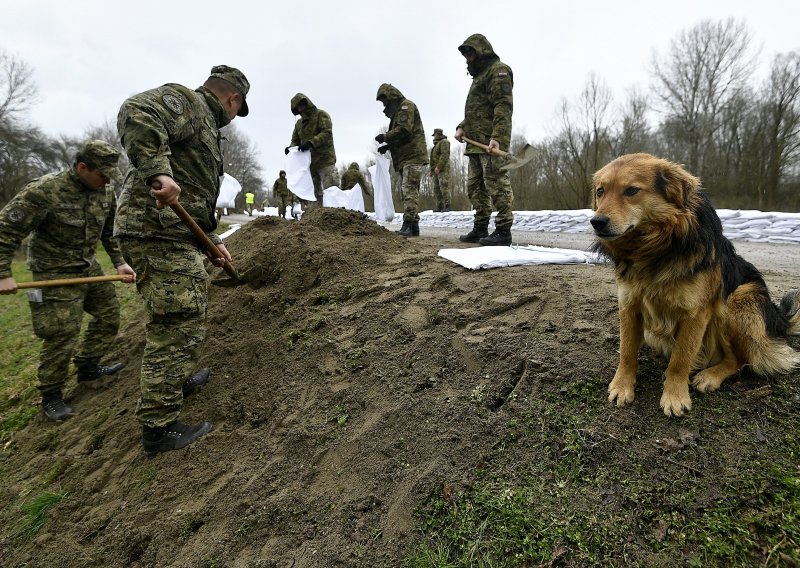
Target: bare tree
column 18, row 91
column 241, row 161
column 696, row 79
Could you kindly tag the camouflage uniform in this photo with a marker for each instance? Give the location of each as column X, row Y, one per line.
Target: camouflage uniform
column 170, row 130
column 487, row 115
column 406, row 141
column 280, row 189
column 66, row 220
column 440, row 158
column 316, row 128
column 354, row 176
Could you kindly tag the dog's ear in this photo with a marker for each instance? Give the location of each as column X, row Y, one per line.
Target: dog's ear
column 675, row 183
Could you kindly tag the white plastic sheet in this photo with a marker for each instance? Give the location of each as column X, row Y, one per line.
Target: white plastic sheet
column 497, row 257
column 382, row 185
column 298, row 174
column 228, row 190
column 347, row 198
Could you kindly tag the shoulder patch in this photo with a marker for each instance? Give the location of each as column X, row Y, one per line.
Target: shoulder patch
column 404, row 107
column 16, row 215
column 173, row 103
column 502, row 73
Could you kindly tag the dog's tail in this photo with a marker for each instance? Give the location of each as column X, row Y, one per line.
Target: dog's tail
column 790, row 307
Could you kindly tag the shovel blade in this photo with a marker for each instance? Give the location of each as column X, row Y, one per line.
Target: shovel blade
column 522, row 157
column 254, row 277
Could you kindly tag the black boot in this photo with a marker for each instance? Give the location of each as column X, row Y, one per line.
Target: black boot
column 500, row 238
column 407, row 230
column 172, row 437
column 55, row 408
column 196, row 381
column 446, row 209
column 92, row 372
column 476, row 234
column 414, row 228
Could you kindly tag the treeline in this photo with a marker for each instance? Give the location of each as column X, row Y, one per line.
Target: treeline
column 27, row 153
column 704, row 109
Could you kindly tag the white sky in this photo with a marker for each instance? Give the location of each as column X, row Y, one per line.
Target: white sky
column 89, row 55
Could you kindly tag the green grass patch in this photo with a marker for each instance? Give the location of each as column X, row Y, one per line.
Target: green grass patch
column 35, row 513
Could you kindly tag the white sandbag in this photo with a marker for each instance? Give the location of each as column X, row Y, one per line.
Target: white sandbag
column 298, row 174
column 382, row 189
column 228, row 190
column 346, row 198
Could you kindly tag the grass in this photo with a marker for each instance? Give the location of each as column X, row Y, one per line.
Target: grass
column 563, row 486
column 18, row 366
column 35, row 513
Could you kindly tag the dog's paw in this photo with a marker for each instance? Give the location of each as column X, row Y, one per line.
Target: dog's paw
column 620, row 391
column 675, row 400
column 705, row 381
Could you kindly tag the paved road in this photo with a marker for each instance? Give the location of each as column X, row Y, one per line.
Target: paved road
column 784, row 258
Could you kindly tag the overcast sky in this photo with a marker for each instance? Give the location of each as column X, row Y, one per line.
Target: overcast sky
column 89, row 55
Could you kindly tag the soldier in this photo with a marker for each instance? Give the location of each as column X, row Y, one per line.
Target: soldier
column 67, row 214
column 280, row 189
column 250, row 201
column 406, row 141
column 314, row 133
column 171, row 135
column 440, row 170
column 354, row 176
column 487, row 119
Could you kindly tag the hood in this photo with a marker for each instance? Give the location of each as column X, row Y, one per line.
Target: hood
column 485, row 55
column 391, row 93
column 480, row 44
column 353, row 166
column 301, row 98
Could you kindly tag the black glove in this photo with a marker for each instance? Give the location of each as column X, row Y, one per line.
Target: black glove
column 304, row 147
column 286, row 150
column 380, row 138
column 383, row 149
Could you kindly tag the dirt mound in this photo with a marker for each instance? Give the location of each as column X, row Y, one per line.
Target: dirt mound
column 364, row 376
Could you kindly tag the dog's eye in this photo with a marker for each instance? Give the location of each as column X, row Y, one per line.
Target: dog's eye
column 631, row 191
column 599, row 192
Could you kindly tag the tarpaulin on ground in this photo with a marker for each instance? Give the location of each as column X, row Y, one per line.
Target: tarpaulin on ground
column 498, row 257
column 298, row 174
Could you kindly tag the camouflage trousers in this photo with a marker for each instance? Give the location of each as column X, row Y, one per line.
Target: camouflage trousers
column 283, row 201
column 57, row 314
column 489, row 186
column 441, row 189
column 323, row 178
column 172, row 281
column 411, row 177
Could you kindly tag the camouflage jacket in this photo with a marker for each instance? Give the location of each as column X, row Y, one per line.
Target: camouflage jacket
column 490, row 102
column 65, row 219
column 280, row 188
column 440, row 155
column 406, row 135
column 316, row 128
column 170, row 130
column 353, row 176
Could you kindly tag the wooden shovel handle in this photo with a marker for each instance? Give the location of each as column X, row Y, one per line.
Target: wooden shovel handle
column 200, row 234
column 495, row 151
column 71, row 281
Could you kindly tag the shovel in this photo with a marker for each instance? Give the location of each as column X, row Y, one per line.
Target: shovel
column 70, row 281
column 513, row 162
column 252, row 276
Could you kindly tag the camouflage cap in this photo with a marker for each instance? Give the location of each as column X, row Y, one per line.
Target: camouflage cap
column 437, row 132
column 238, row 80
column 101, row 155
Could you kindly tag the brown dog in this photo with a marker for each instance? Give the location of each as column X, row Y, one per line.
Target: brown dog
column 682, row 288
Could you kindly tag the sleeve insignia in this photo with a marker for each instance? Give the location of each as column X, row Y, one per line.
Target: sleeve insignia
column 173, row 103
column 16, row 215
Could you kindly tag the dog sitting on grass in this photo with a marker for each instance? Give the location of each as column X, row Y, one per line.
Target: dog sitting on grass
column 682, row 289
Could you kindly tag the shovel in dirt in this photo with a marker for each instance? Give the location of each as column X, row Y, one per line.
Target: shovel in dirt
column 512, row 161
column 252, row 276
